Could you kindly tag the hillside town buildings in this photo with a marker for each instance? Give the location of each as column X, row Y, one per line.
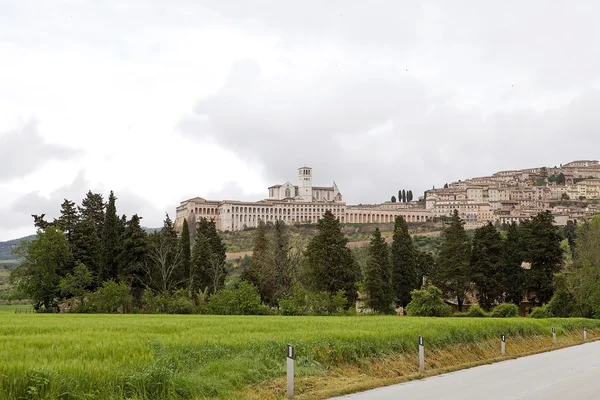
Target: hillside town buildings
column 302, row 203
column 570, row 191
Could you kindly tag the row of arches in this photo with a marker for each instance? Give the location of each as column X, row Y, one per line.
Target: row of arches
column 370, row 218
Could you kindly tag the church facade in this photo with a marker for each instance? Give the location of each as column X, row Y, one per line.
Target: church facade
column 293, row 204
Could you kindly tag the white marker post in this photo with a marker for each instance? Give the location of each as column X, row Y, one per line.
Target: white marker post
column 421, row 355
column 503, row 345
column 290, row 371
column 554, row 335
column 584, row 333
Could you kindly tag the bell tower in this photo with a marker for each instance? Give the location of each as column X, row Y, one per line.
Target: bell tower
column 305, row 183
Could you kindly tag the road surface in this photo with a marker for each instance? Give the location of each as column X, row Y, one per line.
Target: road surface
column 570, row 373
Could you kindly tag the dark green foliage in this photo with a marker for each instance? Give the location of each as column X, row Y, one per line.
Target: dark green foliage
column 302, row 301
column 445, row 186
column 428, row 302
column 283, row 266
column 208, row 258
column 177, row 303
column 186, row 251
column 45, row 261
column 513, row 275
column 92, row 209
column 425, row 266
column 569, row 232
column 452, row 269
column 403, row 196
column 403, row 260
column 68, row 220
column 133, row 255
column 409, row 195
column 476, row 312
column 378, row 279
column 541, row 312
column 164, row 261
column 562, row 304
column 261, row 272
column 86, row 247
column 486, row 265
column 75, row 285
column 328, row 264
column 393, row 199
column 243, row 300
column 40, row 223
column 111, row 239
column 505, row 310
column 541, row 244
column 112, row 297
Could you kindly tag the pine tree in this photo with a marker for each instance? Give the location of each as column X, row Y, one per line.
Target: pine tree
column 111, row 237
column 186, row 250
column 261, row 271
column 209, row 260
column 452, row 272
column 92, row 209
column 486, row 265
column 542, row 244
column 378, row 279
column 87, row 248
column 329, row 265
column 68, row 219
column 513, row 275
column 281, row 260
column 404, row 274
column 133, row 255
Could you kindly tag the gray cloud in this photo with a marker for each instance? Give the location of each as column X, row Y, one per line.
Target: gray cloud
column 422, row 140
column 24, row 150
column 18, row 213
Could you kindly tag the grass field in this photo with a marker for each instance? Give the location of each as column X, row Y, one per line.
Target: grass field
column 73, row 356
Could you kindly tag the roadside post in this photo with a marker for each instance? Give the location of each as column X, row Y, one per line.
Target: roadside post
column 584, row 333
column 421, row 355
column 290, row 371
column 503, row 345
column 554, row 335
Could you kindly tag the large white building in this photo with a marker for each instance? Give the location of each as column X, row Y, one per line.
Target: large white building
column 293, row 204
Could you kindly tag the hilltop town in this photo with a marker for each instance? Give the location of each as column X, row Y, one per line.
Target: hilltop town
column 570, row 191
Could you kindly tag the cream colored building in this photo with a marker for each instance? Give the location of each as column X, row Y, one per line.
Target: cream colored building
column 294, row 204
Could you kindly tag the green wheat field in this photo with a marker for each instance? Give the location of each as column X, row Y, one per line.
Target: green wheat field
column 72, row 356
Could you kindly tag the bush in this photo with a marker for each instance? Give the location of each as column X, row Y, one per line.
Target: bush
column 541, row 312
column 476, row 312
column 243, row 300
column 505, row 310
column 562, row 304
column 112, row 297
column 427, row 302
column 305, row 302
column 176, row 303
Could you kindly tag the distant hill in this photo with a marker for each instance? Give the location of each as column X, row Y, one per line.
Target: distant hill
column 6, row 256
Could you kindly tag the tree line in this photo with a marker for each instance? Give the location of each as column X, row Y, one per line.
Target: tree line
column 404, row 196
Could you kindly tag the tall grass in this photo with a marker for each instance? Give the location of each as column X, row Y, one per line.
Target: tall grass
column 183, row 357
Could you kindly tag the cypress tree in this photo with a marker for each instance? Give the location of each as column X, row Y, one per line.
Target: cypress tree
column 186, row 251
column 211, row 271
column 200, row 263
column 486, row 265
column 111, row 236
column 403, row 196
column 378, row 280
column 393, row 199
column 86, row 248
column 261, row 272
column 403, row 257
column 542, row 244
column 134, row 252
column 281, row 260
column 513, row 275
column 452, row 272
column 329, row 265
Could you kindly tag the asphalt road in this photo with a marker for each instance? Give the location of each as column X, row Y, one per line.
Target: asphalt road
column 571, row 373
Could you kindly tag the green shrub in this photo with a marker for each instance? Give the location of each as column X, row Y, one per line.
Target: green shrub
column 176, row 303
column 562, row 304
column 112, row 297
column 243, row 300
column 427, row 302
column 505, row 310
column 305, row 302
column 476, row 312
column 541, row 312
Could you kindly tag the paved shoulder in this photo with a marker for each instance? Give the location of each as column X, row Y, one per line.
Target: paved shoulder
column 570, row 373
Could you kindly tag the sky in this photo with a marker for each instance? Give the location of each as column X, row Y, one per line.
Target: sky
column 164, row 101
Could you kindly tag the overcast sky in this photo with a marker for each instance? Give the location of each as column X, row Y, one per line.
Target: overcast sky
column 163, row 101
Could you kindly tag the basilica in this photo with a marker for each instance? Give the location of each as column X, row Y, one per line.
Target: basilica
column 301, row 203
